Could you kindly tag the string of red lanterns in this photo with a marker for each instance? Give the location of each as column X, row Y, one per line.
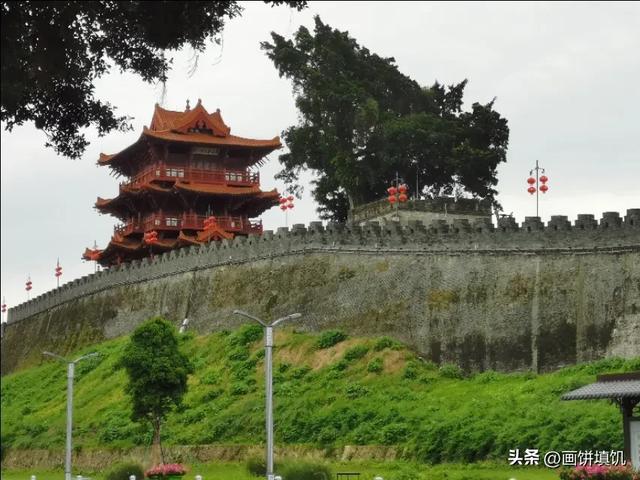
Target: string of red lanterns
column 151, row 238
column 58, row 273
column 4, row 305
column 286, row 204
column 544, row 188
column 537, row 183
column 398, row 194
column 28, row 286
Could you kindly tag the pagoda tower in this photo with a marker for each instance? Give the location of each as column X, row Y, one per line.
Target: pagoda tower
column 187, row 181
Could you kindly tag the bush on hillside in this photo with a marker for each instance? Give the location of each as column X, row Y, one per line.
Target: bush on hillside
column 375, row 366
column 330, row 338
column 122, row 471
column 356, row 352
column 410, row 370
column 246, row 335
column 386, row 342
column 450, row 370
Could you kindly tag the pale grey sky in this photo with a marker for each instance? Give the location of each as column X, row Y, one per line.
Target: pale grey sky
column 565, row 75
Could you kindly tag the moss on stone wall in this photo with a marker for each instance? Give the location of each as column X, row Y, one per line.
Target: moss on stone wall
column 442, row 299
column 481, row 311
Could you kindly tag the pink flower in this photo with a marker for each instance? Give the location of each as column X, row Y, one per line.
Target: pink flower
column 164, row 470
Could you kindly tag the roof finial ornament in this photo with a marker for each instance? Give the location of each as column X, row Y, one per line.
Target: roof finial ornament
column 187, row 108
column 199, row 101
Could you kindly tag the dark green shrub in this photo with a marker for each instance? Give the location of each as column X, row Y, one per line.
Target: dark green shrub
column 212, row 395
column 410, row 370
column 210, row 378
column 356, row 390
column 246, row 335
column 239, row 354
column 256, row 467
column 239, row 389
column 356, row 352
column 339, row 366
column 386, row 342
column 192, row 417
column 123, row 471
column 283, row 367
column 394, row 434
column 115, row 426
column 489, row 376
column 450, row 370
column 375, row 366
column 305, row 471
column 300, row 372
column 330, row 338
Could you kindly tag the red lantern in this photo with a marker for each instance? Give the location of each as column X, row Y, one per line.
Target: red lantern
column 282, row 200
column 402, row 197
column 151, row 237
column 544, row 188
column 289, row 205
column 290, row 198
column 392, row 191
column 4, row 307
column 531, row 190
column 531, row 180
column 392, row 199
column 28, row 285
column 402, row 189
column 58, row 270
column 283, row 207
column 544, row 179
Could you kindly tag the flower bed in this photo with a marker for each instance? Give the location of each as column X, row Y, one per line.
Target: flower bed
column 169, row 471
column 600, row 472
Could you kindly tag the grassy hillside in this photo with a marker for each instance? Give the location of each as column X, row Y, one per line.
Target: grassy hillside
column 356, row 392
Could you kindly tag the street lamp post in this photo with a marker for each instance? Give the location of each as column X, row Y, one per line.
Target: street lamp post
column 268, row 373
column 71, row 364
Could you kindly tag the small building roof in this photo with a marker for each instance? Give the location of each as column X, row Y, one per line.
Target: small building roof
column 614, row 386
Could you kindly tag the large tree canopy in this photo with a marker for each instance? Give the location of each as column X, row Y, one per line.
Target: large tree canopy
column 362, row 120
column 52, row 52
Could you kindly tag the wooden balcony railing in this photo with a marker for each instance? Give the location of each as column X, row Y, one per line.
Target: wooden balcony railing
column 187, row 221
column 172, row 173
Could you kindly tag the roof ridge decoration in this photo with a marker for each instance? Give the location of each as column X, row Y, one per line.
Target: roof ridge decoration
column 196, row 120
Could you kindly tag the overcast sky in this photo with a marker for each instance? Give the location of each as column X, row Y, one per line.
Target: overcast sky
column 566, row 76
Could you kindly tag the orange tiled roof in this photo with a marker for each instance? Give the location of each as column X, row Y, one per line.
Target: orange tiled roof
column 175, row 126
column 203, row 138
column 181, row 121
column 217, row 189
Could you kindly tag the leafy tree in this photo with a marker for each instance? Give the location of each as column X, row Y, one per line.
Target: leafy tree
column 362, row 121
column 157, row 372
column 52, row 53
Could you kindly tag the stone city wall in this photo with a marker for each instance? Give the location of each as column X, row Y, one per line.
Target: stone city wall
column 528, row 296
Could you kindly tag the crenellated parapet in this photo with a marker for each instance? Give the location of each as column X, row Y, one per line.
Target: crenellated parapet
column 611, row 233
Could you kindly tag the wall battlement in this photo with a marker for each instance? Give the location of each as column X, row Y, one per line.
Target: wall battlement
column 612, row 233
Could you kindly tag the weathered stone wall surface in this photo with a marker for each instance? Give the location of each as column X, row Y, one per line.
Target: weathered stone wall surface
column 516, row 297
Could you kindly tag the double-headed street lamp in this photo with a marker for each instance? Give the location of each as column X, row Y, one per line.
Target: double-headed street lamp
column 268, row 373
column 71, row 364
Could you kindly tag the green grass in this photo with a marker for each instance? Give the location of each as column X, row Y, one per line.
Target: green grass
column 323, row 400
column 388, row 470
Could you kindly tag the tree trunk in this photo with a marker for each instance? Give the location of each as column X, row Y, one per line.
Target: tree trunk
column 157, row 455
